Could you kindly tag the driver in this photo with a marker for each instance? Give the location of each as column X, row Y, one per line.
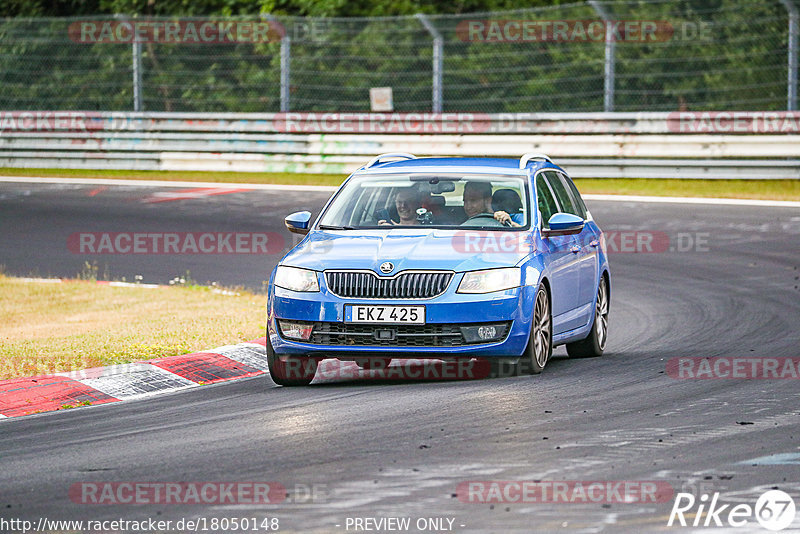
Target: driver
column 406, row 202
column 478, row 201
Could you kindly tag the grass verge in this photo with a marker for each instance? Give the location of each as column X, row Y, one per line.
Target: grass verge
column 754, row 189
column 55, row 327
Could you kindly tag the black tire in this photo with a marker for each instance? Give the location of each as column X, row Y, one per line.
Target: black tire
column 595, row 343
column 290, row 370
column 540, row 343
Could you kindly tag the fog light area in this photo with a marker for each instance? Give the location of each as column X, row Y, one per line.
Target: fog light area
column 483, row 333
column 292, row 330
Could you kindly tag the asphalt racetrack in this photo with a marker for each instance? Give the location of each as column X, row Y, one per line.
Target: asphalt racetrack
column 725, row 283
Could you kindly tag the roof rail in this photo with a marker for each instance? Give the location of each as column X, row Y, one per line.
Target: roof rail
column 523, row 161
column 377, row 159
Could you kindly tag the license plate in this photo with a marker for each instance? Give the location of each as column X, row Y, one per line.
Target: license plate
column 355, row 313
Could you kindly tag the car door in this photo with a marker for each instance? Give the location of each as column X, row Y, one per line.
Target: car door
column 560, row 256
column 588, row 241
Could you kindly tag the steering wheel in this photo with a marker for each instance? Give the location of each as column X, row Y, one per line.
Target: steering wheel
column 485, row 215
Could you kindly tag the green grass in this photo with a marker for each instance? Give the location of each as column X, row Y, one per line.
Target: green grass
column 54, row 327
column 756, row 189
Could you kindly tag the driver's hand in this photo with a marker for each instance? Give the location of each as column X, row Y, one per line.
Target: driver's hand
column 502, row 217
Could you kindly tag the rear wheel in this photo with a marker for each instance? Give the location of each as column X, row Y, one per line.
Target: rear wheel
column 540, row 344
column 595, row 343
column 290, row 370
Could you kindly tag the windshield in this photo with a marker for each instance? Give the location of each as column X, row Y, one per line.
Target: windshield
column 491, row 202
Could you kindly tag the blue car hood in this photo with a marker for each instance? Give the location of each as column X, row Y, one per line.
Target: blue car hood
column 409, row 248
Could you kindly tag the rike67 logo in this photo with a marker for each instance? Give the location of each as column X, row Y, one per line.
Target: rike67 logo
column 774, row 510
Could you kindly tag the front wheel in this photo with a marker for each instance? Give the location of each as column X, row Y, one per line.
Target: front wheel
column 594, row 345
column 540, row 344
column 290, row 370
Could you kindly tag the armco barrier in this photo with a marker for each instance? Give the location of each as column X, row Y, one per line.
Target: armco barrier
column 636, row 145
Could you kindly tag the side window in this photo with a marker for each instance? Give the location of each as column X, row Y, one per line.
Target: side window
column 563, row 197
column 577, row 201
column 547, row 204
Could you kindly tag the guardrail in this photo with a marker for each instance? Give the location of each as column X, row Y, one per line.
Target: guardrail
column 590, row 145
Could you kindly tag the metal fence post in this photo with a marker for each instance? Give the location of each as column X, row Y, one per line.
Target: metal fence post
column 794, row 15
column 286, row 59
column 137, row 76
column 611, row 45
column 136, row 65
column 438, row 60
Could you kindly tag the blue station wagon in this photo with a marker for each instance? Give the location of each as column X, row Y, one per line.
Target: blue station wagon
column 444, row 258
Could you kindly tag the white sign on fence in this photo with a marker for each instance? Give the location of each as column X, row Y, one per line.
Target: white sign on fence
column 380, row 99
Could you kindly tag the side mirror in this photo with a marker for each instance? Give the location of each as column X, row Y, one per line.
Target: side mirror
column 563, row 224
column 298, row 222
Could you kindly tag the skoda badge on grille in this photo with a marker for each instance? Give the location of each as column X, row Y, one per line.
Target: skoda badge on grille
column 386, row 267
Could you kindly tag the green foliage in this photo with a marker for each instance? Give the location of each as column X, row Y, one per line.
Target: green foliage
column 721, row 55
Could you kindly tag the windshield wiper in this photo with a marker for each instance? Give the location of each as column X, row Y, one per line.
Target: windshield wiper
column 331, row 227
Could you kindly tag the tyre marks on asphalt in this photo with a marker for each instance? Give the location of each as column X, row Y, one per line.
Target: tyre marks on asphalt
column 189, row 194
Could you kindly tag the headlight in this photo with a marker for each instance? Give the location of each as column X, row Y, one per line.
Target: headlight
column 490, row 280
column 296, row 279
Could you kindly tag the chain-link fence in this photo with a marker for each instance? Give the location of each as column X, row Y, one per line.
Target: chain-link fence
column 593, row 56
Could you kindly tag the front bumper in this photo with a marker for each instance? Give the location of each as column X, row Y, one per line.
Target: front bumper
column 449, row 311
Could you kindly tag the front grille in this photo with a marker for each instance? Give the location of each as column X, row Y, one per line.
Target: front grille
column 406, row 335
column 368, row 285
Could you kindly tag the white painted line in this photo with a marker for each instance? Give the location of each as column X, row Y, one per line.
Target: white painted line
column 163, row 183
column 130, row 284
column 99, row 282
column 784, row 458
column 698, row 200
